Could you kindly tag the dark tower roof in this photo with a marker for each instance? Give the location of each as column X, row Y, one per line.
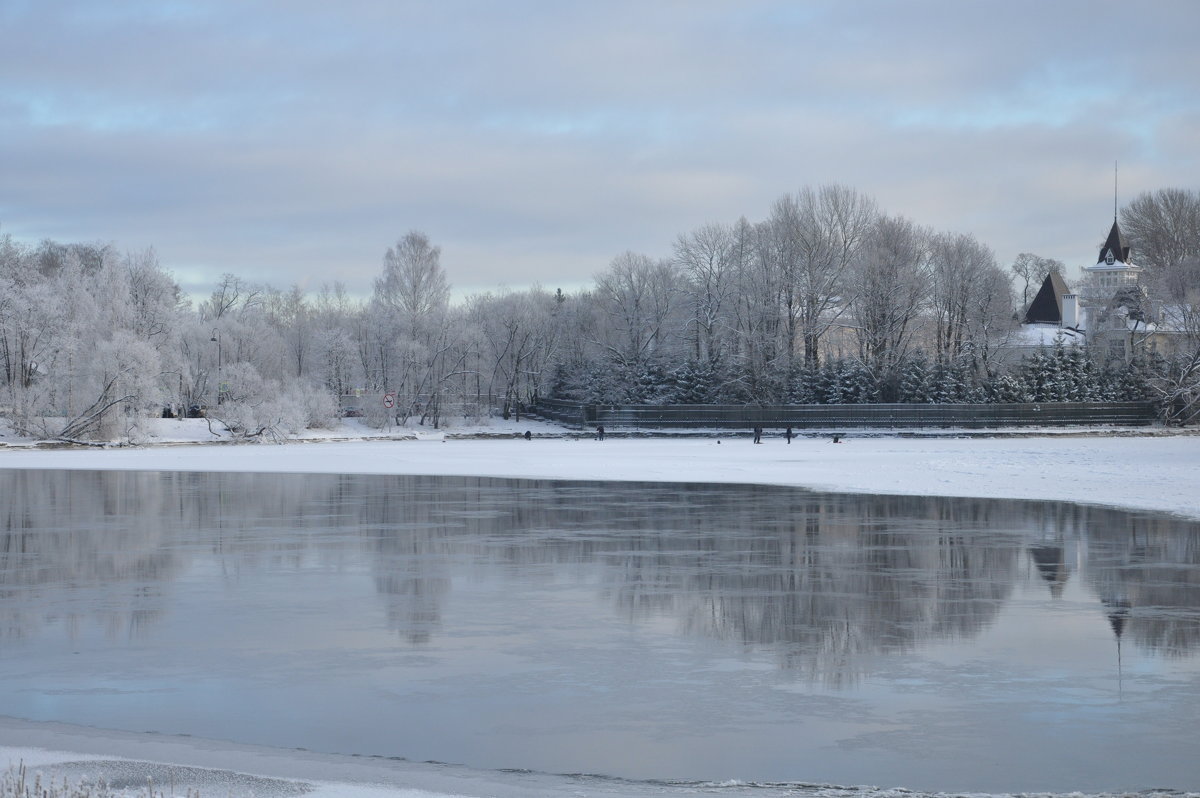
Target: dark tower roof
column 1116, row 244
column 1046, row 307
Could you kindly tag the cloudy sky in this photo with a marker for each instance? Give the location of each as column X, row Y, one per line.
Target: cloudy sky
column 293, row 142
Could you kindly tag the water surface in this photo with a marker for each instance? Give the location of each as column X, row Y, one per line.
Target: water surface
column 644, row 631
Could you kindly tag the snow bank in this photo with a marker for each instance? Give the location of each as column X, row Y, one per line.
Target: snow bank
column 1151, row 472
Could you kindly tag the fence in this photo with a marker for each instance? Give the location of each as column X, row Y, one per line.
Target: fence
column 879, row 416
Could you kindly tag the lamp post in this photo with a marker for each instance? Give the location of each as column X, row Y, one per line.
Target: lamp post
column 216, row 339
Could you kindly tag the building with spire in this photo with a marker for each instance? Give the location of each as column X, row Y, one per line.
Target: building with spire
column 1111, row 312
column 1113, row 270
column 1116, row 311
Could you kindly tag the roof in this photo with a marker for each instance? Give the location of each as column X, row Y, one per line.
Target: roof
column 1046, row 306
column 1116, row 244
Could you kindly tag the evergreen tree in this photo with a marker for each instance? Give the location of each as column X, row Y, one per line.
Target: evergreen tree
column 915, row 380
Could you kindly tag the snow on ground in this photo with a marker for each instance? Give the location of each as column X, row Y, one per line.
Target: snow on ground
column 1135, row 469
column 1142, row 471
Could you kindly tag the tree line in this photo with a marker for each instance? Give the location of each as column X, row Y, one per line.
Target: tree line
column 827, row 300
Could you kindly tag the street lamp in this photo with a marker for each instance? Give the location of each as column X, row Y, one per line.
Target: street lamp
column 216, row 339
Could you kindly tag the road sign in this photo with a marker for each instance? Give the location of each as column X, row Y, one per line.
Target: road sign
column 389, row 400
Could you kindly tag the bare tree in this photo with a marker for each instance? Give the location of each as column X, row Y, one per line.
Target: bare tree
column 1032, row 270
column 762, row 358
column 971, row 298
column 519, row 333
column 890, row 286
column 1163, row 228
column 413, row 282
column 704, row 257
column 818, row 234
column 404, row 336
column 638, row 295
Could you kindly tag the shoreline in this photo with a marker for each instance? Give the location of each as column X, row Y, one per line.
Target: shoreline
column 1159, row 473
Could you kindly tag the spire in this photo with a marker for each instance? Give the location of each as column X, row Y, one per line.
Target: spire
column 1115, row 243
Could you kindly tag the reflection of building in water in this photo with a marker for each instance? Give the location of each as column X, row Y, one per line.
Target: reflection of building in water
column 1051, row 562
column 1052, row 547
column 1145, row 570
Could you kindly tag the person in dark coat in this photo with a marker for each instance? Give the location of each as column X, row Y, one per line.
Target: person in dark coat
column 757, row 434
column 787, row 433
column 600, row 432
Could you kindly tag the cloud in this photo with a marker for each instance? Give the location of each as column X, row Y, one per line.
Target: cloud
column 293, row 142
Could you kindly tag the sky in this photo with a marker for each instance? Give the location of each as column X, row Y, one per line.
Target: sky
column 292, row 143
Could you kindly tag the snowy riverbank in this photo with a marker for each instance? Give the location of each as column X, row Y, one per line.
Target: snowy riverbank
column 1140, row 469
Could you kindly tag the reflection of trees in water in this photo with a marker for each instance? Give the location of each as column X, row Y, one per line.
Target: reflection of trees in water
column 827, row 581
column 98, row 533
column 409, row 559
column 823, row 579
column 1145, row 570
column 845, row 578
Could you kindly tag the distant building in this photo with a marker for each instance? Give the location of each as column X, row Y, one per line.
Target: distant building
column 1049, row 305
column 1113, row 269
column 1122, row 320
column 1112, row 313
column 1052, row 317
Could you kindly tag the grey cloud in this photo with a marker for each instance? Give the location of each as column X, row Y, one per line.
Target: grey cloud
column 293, row 142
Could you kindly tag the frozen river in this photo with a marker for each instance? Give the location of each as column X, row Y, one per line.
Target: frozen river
column 634, row 630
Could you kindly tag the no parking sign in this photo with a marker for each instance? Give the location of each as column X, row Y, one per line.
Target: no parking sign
column 389, row 400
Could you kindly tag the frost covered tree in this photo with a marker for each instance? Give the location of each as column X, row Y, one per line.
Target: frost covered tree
column 405, row 335
column 333, row 318
column 640, row 300
column 761, row 354
column 85, row 334
column 816, row 236
column 1163, row 228
column 518, row 336
column 971, row 301
column 1032, row 271
column 704, row 257
column 413, row 283
column 890, row 285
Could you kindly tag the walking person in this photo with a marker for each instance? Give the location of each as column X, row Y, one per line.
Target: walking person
column 788, row 434
column 600, row 432
column 757, row 433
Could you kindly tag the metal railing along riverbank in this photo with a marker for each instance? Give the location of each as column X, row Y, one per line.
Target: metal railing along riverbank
column 876, row 416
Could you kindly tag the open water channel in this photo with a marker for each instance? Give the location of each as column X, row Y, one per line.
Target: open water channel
column 662, row 632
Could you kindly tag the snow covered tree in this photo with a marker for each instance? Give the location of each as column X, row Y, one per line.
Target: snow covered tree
column 971, row 301
column 890, row 288
column 641, row 302
column 816, row 237
column 761, row 355
column 704, row 257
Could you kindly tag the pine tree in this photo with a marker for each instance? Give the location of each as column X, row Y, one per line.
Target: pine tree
column 914, row 380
